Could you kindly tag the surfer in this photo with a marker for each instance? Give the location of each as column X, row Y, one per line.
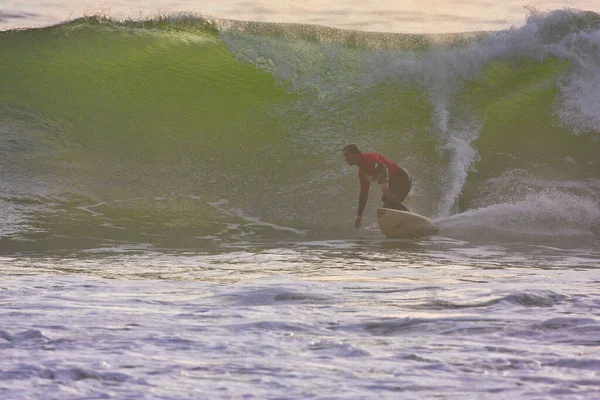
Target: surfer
column 395, row 181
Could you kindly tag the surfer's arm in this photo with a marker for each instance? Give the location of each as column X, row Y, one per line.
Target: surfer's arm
column 362, row 202
column 364, row 192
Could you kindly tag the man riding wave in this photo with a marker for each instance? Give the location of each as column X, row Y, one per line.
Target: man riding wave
column 395, row 181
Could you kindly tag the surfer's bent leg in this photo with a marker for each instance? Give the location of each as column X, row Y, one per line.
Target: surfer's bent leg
column 400, row 185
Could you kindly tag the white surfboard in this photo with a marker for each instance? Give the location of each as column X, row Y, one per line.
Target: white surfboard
column 395, row 224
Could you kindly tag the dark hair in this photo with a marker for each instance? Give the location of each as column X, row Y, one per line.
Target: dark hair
column 352, row 148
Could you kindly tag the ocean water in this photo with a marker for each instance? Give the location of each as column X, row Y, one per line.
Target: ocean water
column 176, row 214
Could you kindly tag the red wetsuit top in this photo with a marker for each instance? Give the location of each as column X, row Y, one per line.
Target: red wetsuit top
column 374, row 167
column 369, row 170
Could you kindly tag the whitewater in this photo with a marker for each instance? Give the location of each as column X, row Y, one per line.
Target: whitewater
column 176, row 216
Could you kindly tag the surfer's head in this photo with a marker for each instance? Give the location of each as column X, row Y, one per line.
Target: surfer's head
column 352, row 154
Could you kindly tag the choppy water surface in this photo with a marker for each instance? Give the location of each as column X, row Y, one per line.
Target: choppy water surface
column 332, row 319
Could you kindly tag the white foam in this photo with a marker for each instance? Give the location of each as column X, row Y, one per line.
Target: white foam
column 251, row 221
column 580, row 87
column 550, row 213
column 446, row 71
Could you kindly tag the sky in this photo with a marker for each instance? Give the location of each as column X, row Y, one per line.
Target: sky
column 406, row 16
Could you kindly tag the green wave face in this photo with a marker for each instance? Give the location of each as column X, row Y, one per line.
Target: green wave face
column 179, row 128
